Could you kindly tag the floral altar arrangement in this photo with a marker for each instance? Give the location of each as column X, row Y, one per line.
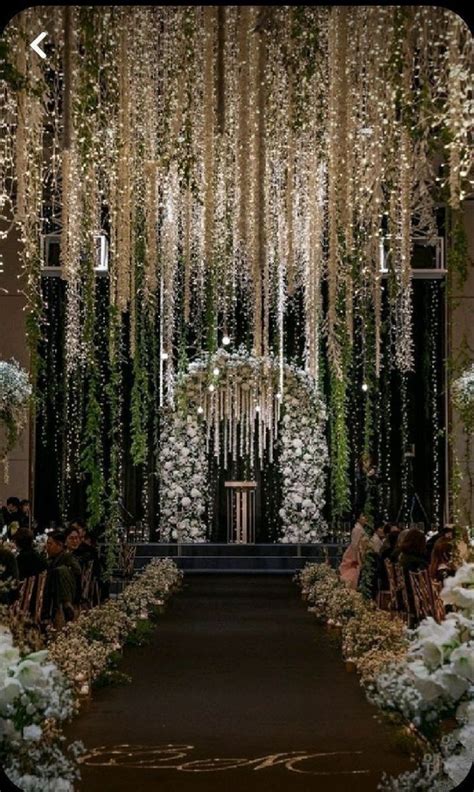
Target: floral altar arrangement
column 422, row 677
column 231, row 405
column 463, row 390
column 15, row 392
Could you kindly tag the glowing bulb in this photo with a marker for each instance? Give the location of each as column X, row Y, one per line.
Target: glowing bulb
column 200, row 410
column 226, row 340
column 211, row 387
column 216, row 371
column 164, row 356
column 257, row 408
column 365, row 387
column 278, row 396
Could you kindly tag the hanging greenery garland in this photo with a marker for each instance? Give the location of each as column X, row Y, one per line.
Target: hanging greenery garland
column 247, row 165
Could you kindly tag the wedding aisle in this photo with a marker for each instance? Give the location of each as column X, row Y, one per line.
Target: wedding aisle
column 239, row 687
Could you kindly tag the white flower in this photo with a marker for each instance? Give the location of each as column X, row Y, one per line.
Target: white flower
column 10, row 689
column 462, row 661
column 186, row 501
column 33, row 732
column 459, row 589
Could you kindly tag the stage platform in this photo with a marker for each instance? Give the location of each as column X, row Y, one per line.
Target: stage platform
column 276, row 559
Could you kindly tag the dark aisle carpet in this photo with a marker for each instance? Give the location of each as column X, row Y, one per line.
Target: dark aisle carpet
column 240, row 688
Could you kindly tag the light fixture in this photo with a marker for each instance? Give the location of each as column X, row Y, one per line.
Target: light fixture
column 365, row 387
column 226, row 340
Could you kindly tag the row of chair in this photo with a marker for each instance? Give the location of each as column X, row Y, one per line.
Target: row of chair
column 31, row 594
column 414, row 601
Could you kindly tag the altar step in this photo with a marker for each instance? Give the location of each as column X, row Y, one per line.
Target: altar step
column 276, row 559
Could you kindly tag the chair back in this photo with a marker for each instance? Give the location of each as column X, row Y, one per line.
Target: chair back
column 86, row 582
column 402, row 588
column 392, row 584
column 23, row 603
column 39, row 598
column 129, row 554
column 422, row 593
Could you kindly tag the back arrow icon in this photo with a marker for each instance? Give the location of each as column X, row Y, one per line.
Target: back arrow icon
column 34, row 45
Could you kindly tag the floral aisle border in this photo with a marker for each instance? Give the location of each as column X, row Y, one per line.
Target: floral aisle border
column 40, row 691
column 15, row 393
column 421, row 678
column 235, row 404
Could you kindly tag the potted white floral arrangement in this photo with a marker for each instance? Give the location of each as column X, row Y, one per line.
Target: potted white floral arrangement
column 35, row 700
column 435, row 681
column 463, row 397
column 15, row 393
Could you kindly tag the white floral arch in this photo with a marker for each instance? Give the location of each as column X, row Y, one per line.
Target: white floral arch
column 272, row 406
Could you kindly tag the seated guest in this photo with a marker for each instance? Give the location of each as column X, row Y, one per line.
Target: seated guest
column 79, row 526
column 389, row 552
column 64, row 579
column 446, row 532
column 390, row 529
column 12, row 515
column 8, row 576
column 350, row 566
column 377, row 539
column 442, row 565
column 25, row 513
column 29, row 561
column 72, row 539
column 413, row 556
column 369, row 549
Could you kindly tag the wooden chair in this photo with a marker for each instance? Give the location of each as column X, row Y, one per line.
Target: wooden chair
column 39, row 597
column 392, row 586
column 402, row 588
column 86, row 584
column 439, row 610
column 422, row 590
column 23, row 603
column 129, row 554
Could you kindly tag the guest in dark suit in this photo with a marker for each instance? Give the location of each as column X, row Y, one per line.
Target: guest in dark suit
column 8, row 576
column 29, row 561
column 64, row 578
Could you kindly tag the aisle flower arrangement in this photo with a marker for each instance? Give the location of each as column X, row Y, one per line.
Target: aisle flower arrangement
column 41, row 690
column 424, row 678
column 85, row 648
column 35, row 700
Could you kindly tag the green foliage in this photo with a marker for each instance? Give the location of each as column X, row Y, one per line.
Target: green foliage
column 367, row 575
column 142, row 634
column 92, row 455
column 339, row 445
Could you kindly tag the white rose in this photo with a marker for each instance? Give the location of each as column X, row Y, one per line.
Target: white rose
column 185, row 501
